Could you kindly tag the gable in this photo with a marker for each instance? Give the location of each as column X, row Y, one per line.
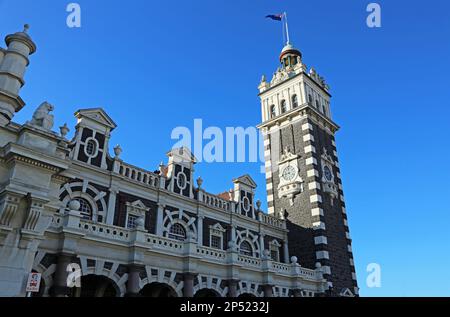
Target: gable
column 98, row 115
column 246, row 180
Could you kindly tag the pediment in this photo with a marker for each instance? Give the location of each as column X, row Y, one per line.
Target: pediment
column 246, row 180
column 346, row 293
column 98, row 115
column 182, row 153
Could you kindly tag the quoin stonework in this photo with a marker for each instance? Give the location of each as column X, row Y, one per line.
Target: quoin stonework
column 94, row 225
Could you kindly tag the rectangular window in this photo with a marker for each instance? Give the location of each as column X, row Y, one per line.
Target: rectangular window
column 216, row 242
column 274, row 255
column 131, row 221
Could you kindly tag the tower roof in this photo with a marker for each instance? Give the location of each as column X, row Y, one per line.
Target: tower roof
column 22, row 37
column 289, row 49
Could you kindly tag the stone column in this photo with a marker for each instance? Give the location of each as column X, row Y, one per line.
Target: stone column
column 134, row 279
column 200, row 230
column 268, row 291
column 111, row 206
column 188, row 287
column 286, row 251
column 232, row 288
column 159, row 220
column 261, row 244
column 60, row 286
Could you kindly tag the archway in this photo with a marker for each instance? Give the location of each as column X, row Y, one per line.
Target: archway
column 246, row 295
column 206, row 292
column 96, row 286
column 157, row 290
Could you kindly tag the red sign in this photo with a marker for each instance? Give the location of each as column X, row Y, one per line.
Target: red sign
column 34, row 282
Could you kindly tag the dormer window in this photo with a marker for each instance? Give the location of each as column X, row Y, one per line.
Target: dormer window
column 273, row 113
column 283, row 106
column 216, row 236
column 294, row 101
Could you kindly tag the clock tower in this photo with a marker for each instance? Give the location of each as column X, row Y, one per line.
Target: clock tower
column 302, row 170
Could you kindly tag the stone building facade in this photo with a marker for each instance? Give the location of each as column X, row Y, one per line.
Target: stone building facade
column 94, row 225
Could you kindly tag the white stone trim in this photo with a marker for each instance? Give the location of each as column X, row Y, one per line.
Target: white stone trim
column 317, row 212
column 347, row 235
column 326, row 270
column 321, row 240
column 352, row 262
column 309, row 149
column 308, row 137
column 313, row 185
column 319, row 225
column 344, row 211
column 307, row 126
column 322, row 255
column 354, row 276
column 311, row 161
column 315, row 198
column 312, row 173
column 349, row 247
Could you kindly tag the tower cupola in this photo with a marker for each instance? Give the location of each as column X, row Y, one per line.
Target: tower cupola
column 290, row 56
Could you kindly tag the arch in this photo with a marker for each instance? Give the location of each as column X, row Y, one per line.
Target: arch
column 248, row 288
column 96, row 286
column 177, row 231
column 246, row 235
column 294, row 101
column 96, row 199
column 180, row 217
column 111, row 274
column 283, row 106
column 161, row 276
column 247, row 295
column 156, row 289
column 210, row 283
column 206, row 292
column 272, row 111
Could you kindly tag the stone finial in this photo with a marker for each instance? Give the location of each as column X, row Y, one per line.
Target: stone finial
column 190, row 236
column 258, row 204
column 64, row 130
column 318, row 265
column 118, row 150
column 199, row 182
column 294, row 260
column 74, row 205
column 266, row 254
column 232, row 245
column 26, row 27
column 263, row 79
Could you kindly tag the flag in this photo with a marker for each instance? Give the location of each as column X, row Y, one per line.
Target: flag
column 277, row 17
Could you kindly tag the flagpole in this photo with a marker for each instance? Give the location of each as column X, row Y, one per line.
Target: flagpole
column 287, row 28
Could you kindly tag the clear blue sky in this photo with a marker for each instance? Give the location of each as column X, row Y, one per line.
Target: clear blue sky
column 157, row 65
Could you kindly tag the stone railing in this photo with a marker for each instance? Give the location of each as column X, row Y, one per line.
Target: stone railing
column 249, row 261
column 164, row 244
column 136, row 174
column 216, row 202
column 211, row 253
column 283, row 268
column 271, row 221
column 104, row 231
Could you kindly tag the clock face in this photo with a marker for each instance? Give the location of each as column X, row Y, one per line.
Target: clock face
column 289, row 173
column 328, row 174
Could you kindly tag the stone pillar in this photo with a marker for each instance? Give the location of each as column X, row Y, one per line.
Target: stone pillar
column 188, row 287
column 268, row 291
column 286, row 250
column 233, row 233
column 200, row 230
column 261, row 244
column 159, row 220
column 232, row 288
column 60, row 286
column 133, row 282
column 111, row 206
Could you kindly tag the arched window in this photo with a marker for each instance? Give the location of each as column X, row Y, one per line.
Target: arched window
column 294, row 101
column 85, row 208
column 273, row 113
column 245, row 248
column 177, row 232
column 283, row 106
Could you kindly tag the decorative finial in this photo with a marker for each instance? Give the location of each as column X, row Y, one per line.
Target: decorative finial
column 26, row 27
column 258, row 204
column 199, row 182
column 117, row 151
column 64, row 130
